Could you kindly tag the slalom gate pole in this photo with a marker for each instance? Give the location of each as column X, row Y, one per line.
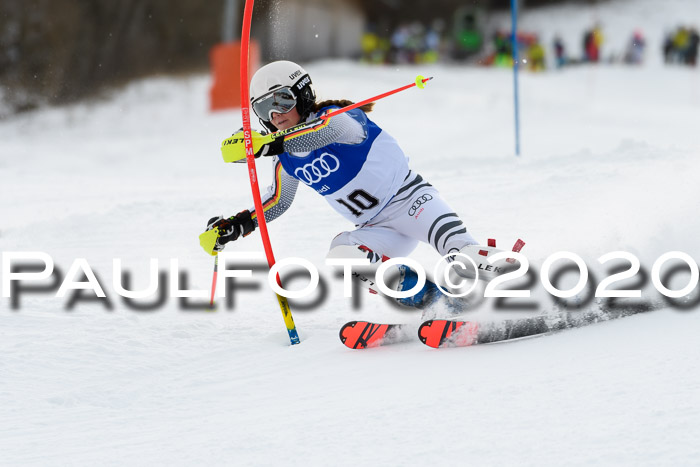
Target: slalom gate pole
column 516, row 65
column 252, row 173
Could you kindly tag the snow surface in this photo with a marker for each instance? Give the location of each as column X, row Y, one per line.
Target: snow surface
column 610, row 162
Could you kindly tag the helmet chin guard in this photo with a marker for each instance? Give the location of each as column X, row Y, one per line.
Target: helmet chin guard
column 282, row 74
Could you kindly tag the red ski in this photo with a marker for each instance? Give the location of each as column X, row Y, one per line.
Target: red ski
column 439, row 333
column 363, row 334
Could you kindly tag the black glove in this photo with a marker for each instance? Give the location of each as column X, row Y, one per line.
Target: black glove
column 271, row 149
column 230, row 229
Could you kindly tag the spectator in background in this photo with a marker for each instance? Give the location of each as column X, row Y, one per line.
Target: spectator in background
column 399, row 39
column 369, row 44
column 587, row 46
column 375, row 47
column 681, row 46
column 407, row 43
column 536, row 55
column 635, row 50
column 592, row 41
column 681, row 40
column 504, row 50
column 559, row 52
column 691, row 54
column 415, row 42
column 433, row 42
column 668, row 48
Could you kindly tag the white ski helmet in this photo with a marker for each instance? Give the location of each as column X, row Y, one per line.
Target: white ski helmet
column 279, row 87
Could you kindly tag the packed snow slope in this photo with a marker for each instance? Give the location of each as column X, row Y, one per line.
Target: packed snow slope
column 610, row 162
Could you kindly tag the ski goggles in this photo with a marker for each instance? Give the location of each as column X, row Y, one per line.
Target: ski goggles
column 281, row 101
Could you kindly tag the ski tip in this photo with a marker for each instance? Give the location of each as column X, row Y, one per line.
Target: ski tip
column 426, row 334
column 343, row 337
column 364, row 334
column 437, row 333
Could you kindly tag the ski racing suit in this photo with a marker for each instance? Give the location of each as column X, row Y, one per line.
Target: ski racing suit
column 364, row 175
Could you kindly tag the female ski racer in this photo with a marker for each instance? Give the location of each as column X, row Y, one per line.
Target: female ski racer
column 361, row 172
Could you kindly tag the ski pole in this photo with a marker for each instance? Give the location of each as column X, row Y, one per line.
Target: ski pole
column 233, row 148
column 213, row 281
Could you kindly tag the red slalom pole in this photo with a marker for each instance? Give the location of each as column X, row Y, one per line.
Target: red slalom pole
column 252, row 173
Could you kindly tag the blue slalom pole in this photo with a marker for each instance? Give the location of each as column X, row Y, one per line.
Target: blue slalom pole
column 514, row 39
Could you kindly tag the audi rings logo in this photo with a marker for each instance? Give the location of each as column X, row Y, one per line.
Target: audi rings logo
column 417, row 203
column 318, row 169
